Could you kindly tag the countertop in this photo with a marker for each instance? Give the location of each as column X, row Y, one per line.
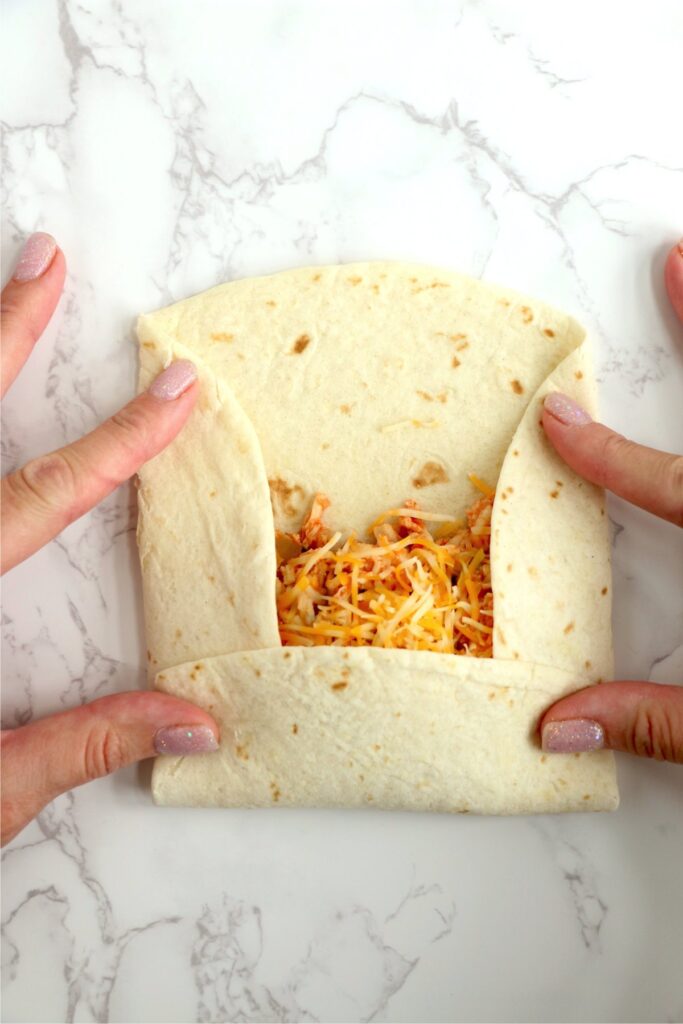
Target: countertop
column 169, row 147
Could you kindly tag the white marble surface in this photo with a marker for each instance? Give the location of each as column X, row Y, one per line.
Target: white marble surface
column 170, row 146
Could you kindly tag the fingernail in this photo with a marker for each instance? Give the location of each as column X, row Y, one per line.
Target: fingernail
column 185, row 739
column 36, row 256
column 573, row 736
column 680, row 248
column 566, row 410
column 173, row 381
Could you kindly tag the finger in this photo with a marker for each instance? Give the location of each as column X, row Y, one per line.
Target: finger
column 639, row 718
column 646, row 477
column 28, row 301
column 673, row 278
column 52, row 491
column 55, row 754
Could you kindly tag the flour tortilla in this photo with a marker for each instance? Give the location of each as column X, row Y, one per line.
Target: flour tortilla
column 372, row 383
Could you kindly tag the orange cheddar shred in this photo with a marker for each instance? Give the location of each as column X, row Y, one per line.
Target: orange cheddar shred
column 406, row 588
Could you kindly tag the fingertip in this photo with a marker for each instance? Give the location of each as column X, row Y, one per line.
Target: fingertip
column 175, row 380
column 673, row 278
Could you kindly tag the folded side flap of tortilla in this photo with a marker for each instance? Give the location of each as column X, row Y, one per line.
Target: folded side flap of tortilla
column 205, row 532
column 550, row 558
column 378, row 728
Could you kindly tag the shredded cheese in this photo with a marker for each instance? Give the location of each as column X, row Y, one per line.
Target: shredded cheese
column 407, row 588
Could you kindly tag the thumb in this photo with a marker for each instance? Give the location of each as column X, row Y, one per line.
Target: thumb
column 638, row 718
column 54, row 754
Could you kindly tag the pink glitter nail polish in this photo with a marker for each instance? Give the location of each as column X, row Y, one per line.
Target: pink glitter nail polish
column 174, row 380
column 573, row 736
column 36, row 256
column 566, row 410
column 180, row 740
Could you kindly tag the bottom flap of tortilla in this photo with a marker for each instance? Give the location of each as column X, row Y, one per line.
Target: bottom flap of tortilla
column 367, row 727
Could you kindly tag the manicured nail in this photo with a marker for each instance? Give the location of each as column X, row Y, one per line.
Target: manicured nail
column 185, row 739
column 174, row 380
column 36, row 256
column 566, row 410
column 573, row 736
column 680, row 248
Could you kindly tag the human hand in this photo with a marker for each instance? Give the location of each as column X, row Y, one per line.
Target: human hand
column 637, row 717
column 49, row 756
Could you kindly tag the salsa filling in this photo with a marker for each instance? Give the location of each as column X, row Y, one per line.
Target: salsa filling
column 406, row 586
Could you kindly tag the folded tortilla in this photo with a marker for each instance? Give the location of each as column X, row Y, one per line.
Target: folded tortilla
column 373, row 383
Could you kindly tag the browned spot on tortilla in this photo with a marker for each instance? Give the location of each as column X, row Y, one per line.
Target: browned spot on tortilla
column 504, row 302
column 361, row 777
column 504, row 495
column 193, row 675
column 287, row 654
column 517, row 387
column 354, row 280
column 504, row 511
column 178, row 634
column 568, row 628
column 515, row 655
column 222, row 336
column 602, row 511
column 161, row 678
column 554, row 494
column 455, row 362
column 375, row 288
column 559, row 483
column 544, row 758
column 439, row 284
column 149, row 344
column 579, row 374
column 211, row 579
column 603, row 591
column 316, row 277
column 425, row 394
column 287, row 497
column 295, row 728
column 577, row 756
column 511, row 703
column 369, row 798
column 442, row 397
column 346, row 409
column 341, row 685
column 412, row 280
column 376, row 746
column 430, row 474
column 212, row 494
column 345, row 655
column 501, row 635
column 230, row 598
column 149, row 655
column 325, row 445
column 271, row 302
column 586, row 796
column 492, row 695
column 242, row 752
column 301, row 343
column 275, row 790
column 509, row 566
column 511, row 490
column 397, row 714
column 588, row 664
column 527, row 314
column 532, row 570
column 549, row 333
